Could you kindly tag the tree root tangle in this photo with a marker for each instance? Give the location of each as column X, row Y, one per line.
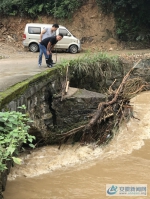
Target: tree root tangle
column 110, row 114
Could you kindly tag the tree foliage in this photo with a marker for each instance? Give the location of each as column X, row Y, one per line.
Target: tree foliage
column 57, row 8
column 132, row 17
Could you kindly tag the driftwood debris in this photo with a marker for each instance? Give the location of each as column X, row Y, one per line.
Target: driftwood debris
column 103, row 105
column 65, row 85
column 109, row 114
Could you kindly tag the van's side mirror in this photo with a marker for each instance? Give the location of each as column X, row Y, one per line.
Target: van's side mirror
column 69, row 35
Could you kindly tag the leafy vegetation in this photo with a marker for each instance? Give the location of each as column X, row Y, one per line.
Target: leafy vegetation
column 92, row 71
column 132, row 18
column 57, row 8
column 14, row 128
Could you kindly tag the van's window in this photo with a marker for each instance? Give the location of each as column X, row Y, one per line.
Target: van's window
column 34, row 30
column 63, row 31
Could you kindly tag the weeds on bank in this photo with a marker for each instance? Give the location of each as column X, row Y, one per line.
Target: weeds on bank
column 97, row 64
column 14, row 128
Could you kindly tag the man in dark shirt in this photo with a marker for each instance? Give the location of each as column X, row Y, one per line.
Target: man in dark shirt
column 47, row 45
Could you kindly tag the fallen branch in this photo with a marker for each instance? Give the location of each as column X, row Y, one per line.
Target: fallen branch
column 108, row 115
column 65, row 86
column 102, row 105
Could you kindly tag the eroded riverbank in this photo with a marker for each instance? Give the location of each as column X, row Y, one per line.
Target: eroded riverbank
column 83, row 172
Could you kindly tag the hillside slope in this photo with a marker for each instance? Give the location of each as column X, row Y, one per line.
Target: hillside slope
column 95, row 30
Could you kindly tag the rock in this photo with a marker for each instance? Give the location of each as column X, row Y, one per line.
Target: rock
column 94, row 16
column 76, row 108
column 10, row 38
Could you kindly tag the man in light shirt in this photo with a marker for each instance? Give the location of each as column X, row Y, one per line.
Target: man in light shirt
column 46, row 32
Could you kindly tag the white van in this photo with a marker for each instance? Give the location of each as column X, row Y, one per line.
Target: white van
column 32, row 33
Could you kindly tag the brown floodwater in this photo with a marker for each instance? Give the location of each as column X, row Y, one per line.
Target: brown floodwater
column 83, row 172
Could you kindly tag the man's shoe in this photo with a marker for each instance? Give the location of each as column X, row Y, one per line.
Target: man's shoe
column 39, row 65
column 49, row 65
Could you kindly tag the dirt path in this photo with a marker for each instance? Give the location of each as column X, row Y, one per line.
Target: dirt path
column 18, row 64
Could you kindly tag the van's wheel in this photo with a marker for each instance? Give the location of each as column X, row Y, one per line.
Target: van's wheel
column 73, row 49
column 34, row 47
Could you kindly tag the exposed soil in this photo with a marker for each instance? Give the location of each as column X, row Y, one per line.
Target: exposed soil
column 95, row 30
column 88, row 24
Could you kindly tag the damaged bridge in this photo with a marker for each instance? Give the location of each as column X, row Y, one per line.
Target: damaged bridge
column 52, row 114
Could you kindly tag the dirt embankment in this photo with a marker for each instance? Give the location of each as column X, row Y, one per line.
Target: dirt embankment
column 95, row 30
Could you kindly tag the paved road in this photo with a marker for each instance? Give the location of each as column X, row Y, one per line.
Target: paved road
column 19, row 67
column 22, row 65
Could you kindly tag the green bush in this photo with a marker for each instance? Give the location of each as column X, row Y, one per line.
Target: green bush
column 14, row 128
column 57, row 8
column 132, row 18
column 92, row 71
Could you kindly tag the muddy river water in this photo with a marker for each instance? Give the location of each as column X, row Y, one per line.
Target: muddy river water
column 83, row 172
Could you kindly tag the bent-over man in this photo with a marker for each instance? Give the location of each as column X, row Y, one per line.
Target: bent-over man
column 46, row 32
column 46, row 46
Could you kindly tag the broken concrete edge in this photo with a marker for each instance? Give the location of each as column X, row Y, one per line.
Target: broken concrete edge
column 19, row 88
column 3, row 177
column 1, row 195
column 71, row 91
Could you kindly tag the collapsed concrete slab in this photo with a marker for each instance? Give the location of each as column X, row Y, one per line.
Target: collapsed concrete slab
column 76, row 107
